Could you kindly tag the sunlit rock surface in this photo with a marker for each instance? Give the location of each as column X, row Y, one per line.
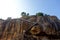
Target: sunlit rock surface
column 30, row 28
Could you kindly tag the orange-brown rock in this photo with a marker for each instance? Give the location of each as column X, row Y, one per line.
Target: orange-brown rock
column 19, row 29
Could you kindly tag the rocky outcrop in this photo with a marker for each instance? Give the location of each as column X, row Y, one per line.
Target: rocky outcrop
column 30, row 28
column 1, row 21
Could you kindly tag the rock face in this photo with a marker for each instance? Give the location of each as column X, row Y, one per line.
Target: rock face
column 32, row 28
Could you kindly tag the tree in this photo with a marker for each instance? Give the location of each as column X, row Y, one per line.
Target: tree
column 47, row 15
column 9, row 18
column 23, row 13
column 27, row 14
column 39, row 14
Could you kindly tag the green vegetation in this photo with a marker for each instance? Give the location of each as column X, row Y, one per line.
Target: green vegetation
column 23, row 14
column 39, row 14
column 47, row 15
column 27, row 14
column 9, row 18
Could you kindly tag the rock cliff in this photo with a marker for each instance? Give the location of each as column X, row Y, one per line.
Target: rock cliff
column 30, row 28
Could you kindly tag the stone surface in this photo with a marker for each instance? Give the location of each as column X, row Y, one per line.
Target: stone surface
column 26, row 29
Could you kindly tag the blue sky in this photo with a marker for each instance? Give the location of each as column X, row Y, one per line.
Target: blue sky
column 15, row 7
column 51, row 7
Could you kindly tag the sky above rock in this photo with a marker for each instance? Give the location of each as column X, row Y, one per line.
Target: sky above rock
column 13, row 8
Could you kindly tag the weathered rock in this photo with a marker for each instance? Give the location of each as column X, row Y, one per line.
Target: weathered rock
column 26, row 29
